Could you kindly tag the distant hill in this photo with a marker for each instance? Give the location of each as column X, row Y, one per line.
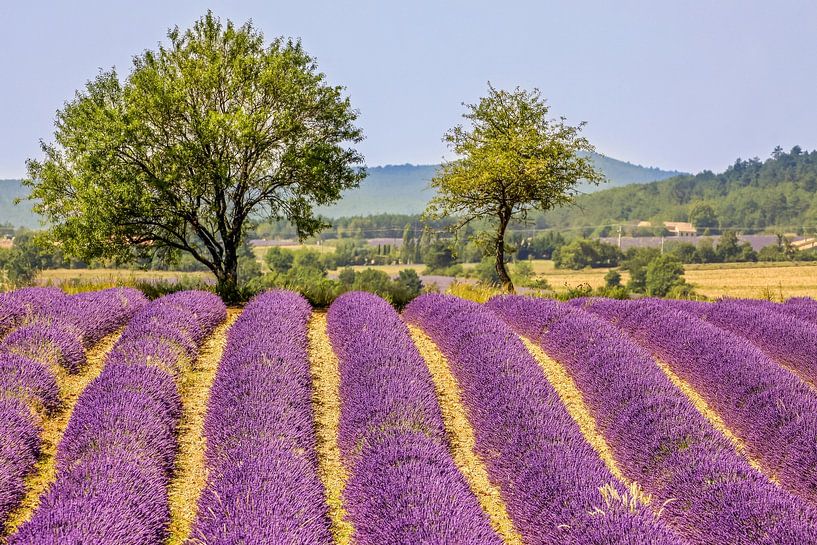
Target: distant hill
column 753, row 195
column 403, row 189
column 21, row 214
column 390, row 189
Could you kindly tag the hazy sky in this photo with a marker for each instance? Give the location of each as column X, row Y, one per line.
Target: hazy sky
column 684, row 85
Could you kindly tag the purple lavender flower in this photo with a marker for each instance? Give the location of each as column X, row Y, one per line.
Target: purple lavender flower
column 710, row 493
column 263, row 485
column 404, row 486
column 117, row 453
column 51, row 344
column 548, row 475
column 29, row 380
column 19, row 446
column 773, row 412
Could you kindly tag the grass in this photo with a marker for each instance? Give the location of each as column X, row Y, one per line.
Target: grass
column 190, row 475
column 326, row 408
column 45, row 471
column 461, row 438
column 108, row 278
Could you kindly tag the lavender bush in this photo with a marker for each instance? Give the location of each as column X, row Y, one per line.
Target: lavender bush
column 773, row 412
column 263, row 485
column 44, row 327
column 404, row 487
column 548, row 475
column 709, row 493
column 775, row 329
column 116, row 456
column 19, row 447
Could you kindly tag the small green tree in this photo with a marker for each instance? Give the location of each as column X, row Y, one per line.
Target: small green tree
column 209, row 130
column 513, row 159
column 278, row 259
column 409, row 279
column 636, row 263
column 612, row 279
column 583, row 253
column 702, row 216
column 663, row 273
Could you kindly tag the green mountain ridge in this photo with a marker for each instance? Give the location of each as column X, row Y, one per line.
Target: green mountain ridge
column 388, row 189
column 752, row 195
column 403, row 189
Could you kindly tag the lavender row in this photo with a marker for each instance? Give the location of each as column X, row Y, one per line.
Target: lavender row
column 116, row 455
column 49, row 332
column 56, row 329
column 263, row 485
column 776, row 329
column 768, row 408
column 404, row 486
column 710, row 494
column 548, row 475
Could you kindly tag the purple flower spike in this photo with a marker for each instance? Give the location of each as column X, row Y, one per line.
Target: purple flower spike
column 263, row 485
column 548, row 475
column 404, row 486
column 709, row 493
column 116, row 456
column 19, row 446
column 772, row 411
column 29, row 380
column 49, row 344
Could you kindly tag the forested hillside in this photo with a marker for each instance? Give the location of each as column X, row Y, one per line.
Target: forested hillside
column 17, row 215
column 402, row 189
column 750, row 195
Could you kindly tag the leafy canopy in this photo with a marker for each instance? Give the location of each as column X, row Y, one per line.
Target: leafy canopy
column 206, row 132
column 512, row 159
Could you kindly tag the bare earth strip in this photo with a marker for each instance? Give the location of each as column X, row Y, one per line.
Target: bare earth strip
column 45, row 471
column 573, row 401
column 461, row 438
column 326, row 408
column 717, row 422
column 190, row 474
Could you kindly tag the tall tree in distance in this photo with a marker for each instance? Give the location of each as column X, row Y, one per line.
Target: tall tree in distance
column 209, row 130
column 512, row 159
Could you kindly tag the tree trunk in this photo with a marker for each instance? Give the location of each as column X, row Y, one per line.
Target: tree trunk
column 501, row 271
column 227, row 281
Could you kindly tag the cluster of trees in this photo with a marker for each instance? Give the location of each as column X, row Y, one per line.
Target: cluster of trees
column 306, row 271
column 593, row 253
column 751, row 196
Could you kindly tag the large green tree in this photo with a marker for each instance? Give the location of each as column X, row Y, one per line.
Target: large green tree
column 211, row 129
column 512, row 159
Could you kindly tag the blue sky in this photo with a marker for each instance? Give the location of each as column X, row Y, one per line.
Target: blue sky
column 684, row 85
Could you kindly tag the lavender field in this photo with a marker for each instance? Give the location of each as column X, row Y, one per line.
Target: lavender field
column 518, row 421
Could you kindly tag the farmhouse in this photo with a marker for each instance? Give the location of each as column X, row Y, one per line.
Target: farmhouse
column 680, row 228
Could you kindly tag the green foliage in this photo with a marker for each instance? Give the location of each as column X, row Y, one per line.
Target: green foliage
column 684, row 251
column 485, row 271
column 205, row 131
column 307, row 277
column 612, row 279
column 279, row 260
column 540, row 246
column 750, row 195
column 703, row 216
column 583, row 253
column 410, row 280
column 663, row 274
column 522, row 273
column 512, row 159
column 636, row 261
column 437, row 256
